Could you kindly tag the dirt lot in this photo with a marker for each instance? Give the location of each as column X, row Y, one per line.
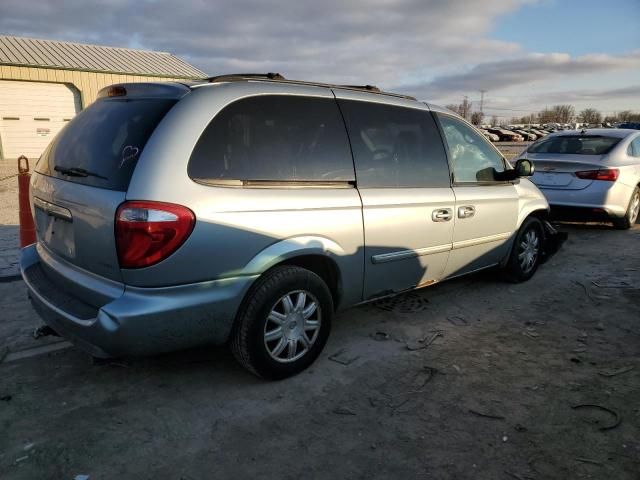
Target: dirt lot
column 500, row 393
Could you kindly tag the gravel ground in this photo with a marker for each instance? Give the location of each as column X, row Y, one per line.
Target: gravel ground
column 8, row 219
column 539, row 380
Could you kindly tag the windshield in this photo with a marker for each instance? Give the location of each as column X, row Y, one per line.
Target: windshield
column 575, row 145
column 102, row 144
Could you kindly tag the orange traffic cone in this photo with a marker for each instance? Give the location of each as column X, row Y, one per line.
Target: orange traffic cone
column 27, row 227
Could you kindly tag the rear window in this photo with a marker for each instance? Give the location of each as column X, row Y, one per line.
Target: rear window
column 102, row 144
column 575, row 145
column 274, row 138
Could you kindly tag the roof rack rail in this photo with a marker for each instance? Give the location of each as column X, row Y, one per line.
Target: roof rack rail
column 276, row 77
column 242, row 76
column 369, row 88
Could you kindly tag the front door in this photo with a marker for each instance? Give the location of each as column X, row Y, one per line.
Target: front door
column 407, row 201
column 486, row 209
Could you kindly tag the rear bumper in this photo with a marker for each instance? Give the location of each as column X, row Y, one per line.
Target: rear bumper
column 141, row 321
column 600, row 200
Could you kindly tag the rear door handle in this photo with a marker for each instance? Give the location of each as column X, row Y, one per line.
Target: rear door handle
column 442, row 215
column 466, row 211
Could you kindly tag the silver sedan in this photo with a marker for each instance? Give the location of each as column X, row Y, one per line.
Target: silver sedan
column 591, row 175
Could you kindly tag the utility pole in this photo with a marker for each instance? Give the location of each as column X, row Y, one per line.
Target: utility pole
column 465, row 107
column 482, row 92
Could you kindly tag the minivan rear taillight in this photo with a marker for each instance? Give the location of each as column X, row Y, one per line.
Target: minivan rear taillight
column 148, row 232
column 606, row 174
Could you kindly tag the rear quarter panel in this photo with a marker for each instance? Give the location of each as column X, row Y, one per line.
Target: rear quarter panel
column 242, row 231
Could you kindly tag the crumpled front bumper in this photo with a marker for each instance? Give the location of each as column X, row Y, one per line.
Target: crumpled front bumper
column 553, row 240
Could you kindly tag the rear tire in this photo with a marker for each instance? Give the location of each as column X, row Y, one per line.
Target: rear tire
column 526, row 252
column 631, row 216
column 283, row 324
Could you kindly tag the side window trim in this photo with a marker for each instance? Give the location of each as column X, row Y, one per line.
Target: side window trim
column 454, row 183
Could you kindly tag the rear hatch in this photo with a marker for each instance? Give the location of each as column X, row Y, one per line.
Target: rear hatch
column 84, row 173
column 558, row 171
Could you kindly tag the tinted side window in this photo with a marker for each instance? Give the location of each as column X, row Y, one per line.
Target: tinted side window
column 395, row 146
column 472, row 157
column 275, row 137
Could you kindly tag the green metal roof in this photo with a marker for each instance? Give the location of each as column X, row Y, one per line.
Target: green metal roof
column 29, row 52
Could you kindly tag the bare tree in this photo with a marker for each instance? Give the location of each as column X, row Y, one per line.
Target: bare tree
column 494, row 120
column 465, row 108
column 557, row 114
column 453, row 108
column 563, row 113
column 477, row 117
column 590, row 115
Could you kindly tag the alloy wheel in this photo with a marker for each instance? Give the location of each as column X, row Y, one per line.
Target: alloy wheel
column 635, row 208
column 292, row 326
column 528, row 250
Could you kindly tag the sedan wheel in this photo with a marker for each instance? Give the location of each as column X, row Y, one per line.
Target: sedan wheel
column 631, row 217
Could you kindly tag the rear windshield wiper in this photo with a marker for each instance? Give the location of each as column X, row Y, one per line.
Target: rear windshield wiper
column 77, row 172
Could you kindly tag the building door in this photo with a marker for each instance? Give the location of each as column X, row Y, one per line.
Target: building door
column 31, row 114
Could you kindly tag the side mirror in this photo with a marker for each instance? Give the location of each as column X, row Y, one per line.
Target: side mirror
column 524, row 168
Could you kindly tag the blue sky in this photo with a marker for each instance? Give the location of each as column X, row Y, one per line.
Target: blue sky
column 594, row 26
column 527, row 54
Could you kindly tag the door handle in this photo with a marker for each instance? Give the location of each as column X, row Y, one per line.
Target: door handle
column 466, row 211
column 442, row 215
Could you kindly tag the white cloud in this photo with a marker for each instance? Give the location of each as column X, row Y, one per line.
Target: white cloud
column 537, row 67
column 365, row 41
column 434, row 49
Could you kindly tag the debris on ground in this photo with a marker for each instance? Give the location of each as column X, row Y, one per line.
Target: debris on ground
column 405, row 303
column 614, row 282
column 44, row 331
column 615, row 414
column 486, row 415
column 613, row 373
column 588, row 460
column 586, row 291
column 380, row 336
column 458, row 320
column 423, row 342
column 514, row 475
column 342, row 357
column 343, row 411
column 531, row 332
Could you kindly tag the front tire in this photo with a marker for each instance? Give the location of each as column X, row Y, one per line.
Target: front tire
column 526, row 252
column 283, row 324
column 631, row 216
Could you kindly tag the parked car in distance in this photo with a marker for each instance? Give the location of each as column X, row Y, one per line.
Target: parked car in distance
column 590, row 175
column 529, row 137
column 490, row 136
column 506, row 135
column 247, row 209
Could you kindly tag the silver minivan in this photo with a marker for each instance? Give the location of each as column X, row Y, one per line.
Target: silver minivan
column 249, row 208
